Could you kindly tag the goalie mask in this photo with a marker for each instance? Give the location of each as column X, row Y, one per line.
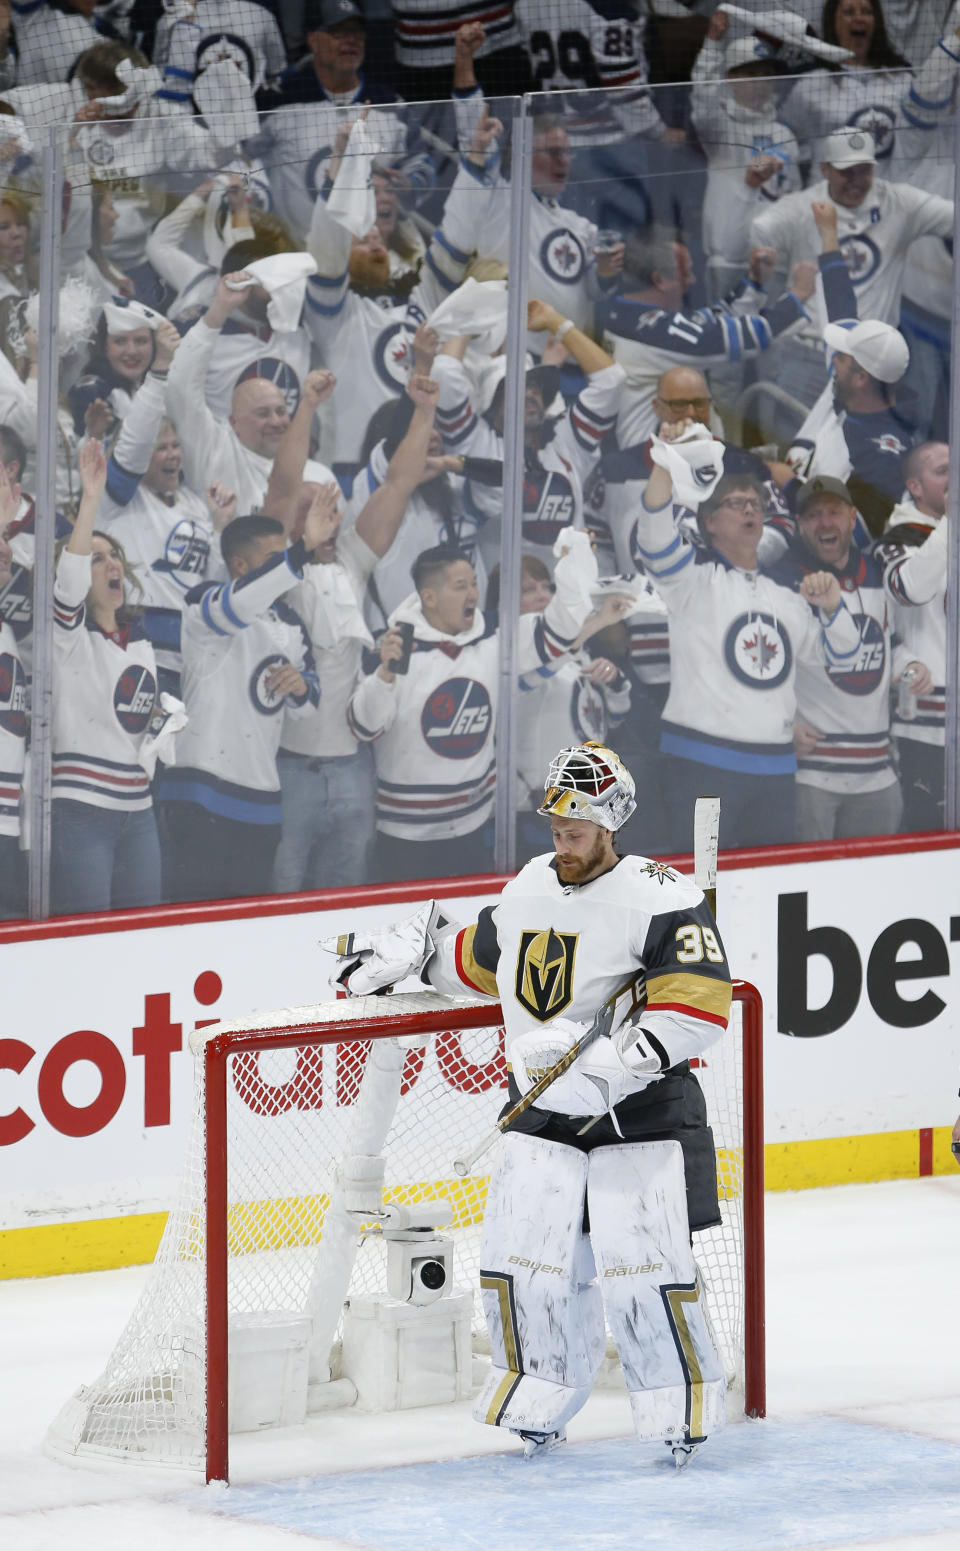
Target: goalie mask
column 589, row 781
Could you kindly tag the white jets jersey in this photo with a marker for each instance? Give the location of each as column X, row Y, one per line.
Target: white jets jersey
column 875, row 238
column 211, row 448
column 824, row 100
column 13, row 730
column 432, row 729
column 559, row 706
column 914, row 553
column 591, row 44
column 422, row 527
column 233, row 635
column 549, row 950
column 735, row 641
column 104, row 689
column 850, row 705
column 216, row 29
column 329, row 600
column 366, row 341
column 554, row 478
column 295, row 144
column 732, row 138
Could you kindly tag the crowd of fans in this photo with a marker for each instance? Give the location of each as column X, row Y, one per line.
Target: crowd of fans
column 281, row 454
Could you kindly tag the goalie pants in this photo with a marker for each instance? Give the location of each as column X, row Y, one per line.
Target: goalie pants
column 547, row 1286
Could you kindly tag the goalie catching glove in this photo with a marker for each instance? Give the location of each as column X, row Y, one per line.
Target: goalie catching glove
column 694, row 462
column 372, row 962
column 609, row 1070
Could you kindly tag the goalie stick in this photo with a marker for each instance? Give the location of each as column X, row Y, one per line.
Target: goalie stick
column 602, row 1023
column 706, row 841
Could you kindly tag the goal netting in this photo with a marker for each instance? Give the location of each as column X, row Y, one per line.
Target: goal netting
column 290, row 1109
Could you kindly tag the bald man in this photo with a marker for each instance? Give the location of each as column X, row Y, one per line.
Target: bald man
column 240, row 450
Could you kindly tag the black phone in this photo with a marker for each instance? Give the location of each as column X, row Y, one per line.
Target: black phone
column 402, row 663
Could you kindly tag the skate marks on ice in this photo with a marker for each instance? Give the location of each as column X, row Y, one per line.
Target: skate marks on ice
column 820, row 1482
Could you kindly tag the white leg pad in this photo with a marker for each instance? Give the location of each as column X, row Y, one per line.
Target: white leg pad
column 540, row 1297
column 651, row 1294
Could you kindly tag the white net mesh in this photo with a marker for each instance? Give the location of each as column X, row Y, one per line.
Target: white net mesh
column 294, row 1117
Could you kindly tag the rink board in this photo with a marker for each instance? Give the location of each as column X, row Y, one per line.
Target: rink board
column 853, row 949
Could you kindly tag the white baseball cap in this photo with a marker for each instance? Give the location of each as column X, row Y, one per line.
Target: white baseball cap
column 746, row 51
column 849, row 148
column 878, row 347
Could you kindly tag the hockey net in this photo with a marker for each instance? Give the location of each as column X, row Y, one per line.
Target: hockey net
column 258, row 1231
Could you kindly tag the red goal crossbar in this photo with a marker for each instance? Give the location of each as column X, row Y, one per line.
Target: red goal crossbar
column 220, row 1047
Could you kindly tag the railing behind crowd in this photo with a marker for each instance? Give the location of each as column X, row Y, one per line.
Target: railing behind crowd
column 380, row 452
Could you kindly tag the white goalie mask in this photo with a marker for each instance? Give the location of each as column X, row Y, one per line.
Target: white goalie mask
column 589, row 781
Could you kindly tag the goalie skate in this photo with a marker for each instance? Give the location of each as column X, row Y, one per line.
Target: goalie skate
column 535, row 1444
column 682, row 1452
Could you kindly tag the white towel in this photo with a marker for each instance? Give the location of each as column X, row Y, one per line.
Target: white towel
column 477, row 308
column 352, row 203
column 284, row 276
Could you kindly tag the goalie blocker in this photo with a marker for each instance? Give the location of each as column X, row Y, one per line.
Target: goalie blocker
column 567, row 932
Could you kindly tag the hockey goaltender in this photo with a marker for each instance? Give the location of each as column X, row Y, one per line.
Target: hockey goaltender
column 604, row 1177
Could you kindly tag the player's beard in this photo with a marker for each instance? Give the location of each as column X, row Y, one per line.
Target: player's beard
column 580, row 868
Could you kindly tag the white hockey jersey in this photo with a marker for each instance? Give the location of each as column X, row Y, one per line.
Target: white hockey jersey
column 825, row 100
column 329, row 600
column 233, row 635
column 104, row 689
column 553, row 478
column 914, row 553
column 591, row 44
column 875, row 238
column 185, row 44
column 735, row 641
column 13, row 730
column 422, row 527
column 432, row 729
column 559, row 706
column 848, row 706
column 425, row 30
column 365, row 341
column 211, row 448
column 732, row 137
column 549, row 949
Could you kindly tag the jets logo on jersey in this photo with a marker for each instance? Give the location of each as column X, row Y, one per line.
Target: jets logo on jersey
column 866, row 675
column 548, row 497
column 265, row 700
column 134, row 697
column 544, row 978
column 758, row 651
column 880, row 122
column 16, row 600
column 457, row 718
column 391, row 355
column 13, row 695
column 562, row 256
column 588, row 712
column 890, row 443
column 100, row 152
column 272, row 369
column 312, row 172
column 185, row 554
column 862, row 256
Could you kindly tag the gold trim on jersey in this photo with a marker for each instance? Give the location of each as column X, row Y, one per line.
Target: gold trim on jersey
column 483, row 980
column 543, row 983
column 675, row 1297
column 700, row 993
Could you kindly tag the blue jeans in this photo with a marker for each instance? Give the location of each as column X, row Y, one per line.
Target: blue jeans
column 328, row 810
column 102, row 860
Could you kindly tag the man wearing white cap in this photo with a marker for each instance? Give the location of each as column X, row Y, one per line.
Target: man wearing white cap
column 876, row 223
column 855, row 431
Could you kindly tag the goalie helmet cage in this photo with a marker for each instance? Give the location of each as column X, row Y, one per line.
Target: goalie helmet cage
column 287, row 1111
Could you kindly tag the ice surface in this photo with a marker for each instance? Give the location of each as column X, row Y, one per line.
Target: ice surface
column 862, row 1448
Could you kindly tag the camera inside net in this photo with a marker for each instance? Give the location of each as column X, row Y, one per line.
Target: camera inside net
column 419, row 1266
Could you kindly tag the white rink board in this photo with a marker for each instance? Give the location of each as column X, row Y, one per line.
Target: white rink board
column 875, row 1071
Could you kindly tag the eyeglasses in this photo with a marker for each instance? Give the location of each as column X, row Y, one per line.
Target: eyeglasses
column 699, row 406
column 742, row 504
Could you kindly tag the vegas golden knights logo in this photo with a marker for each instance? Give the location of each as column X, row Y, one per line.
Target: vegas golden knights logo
column 545, row 972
